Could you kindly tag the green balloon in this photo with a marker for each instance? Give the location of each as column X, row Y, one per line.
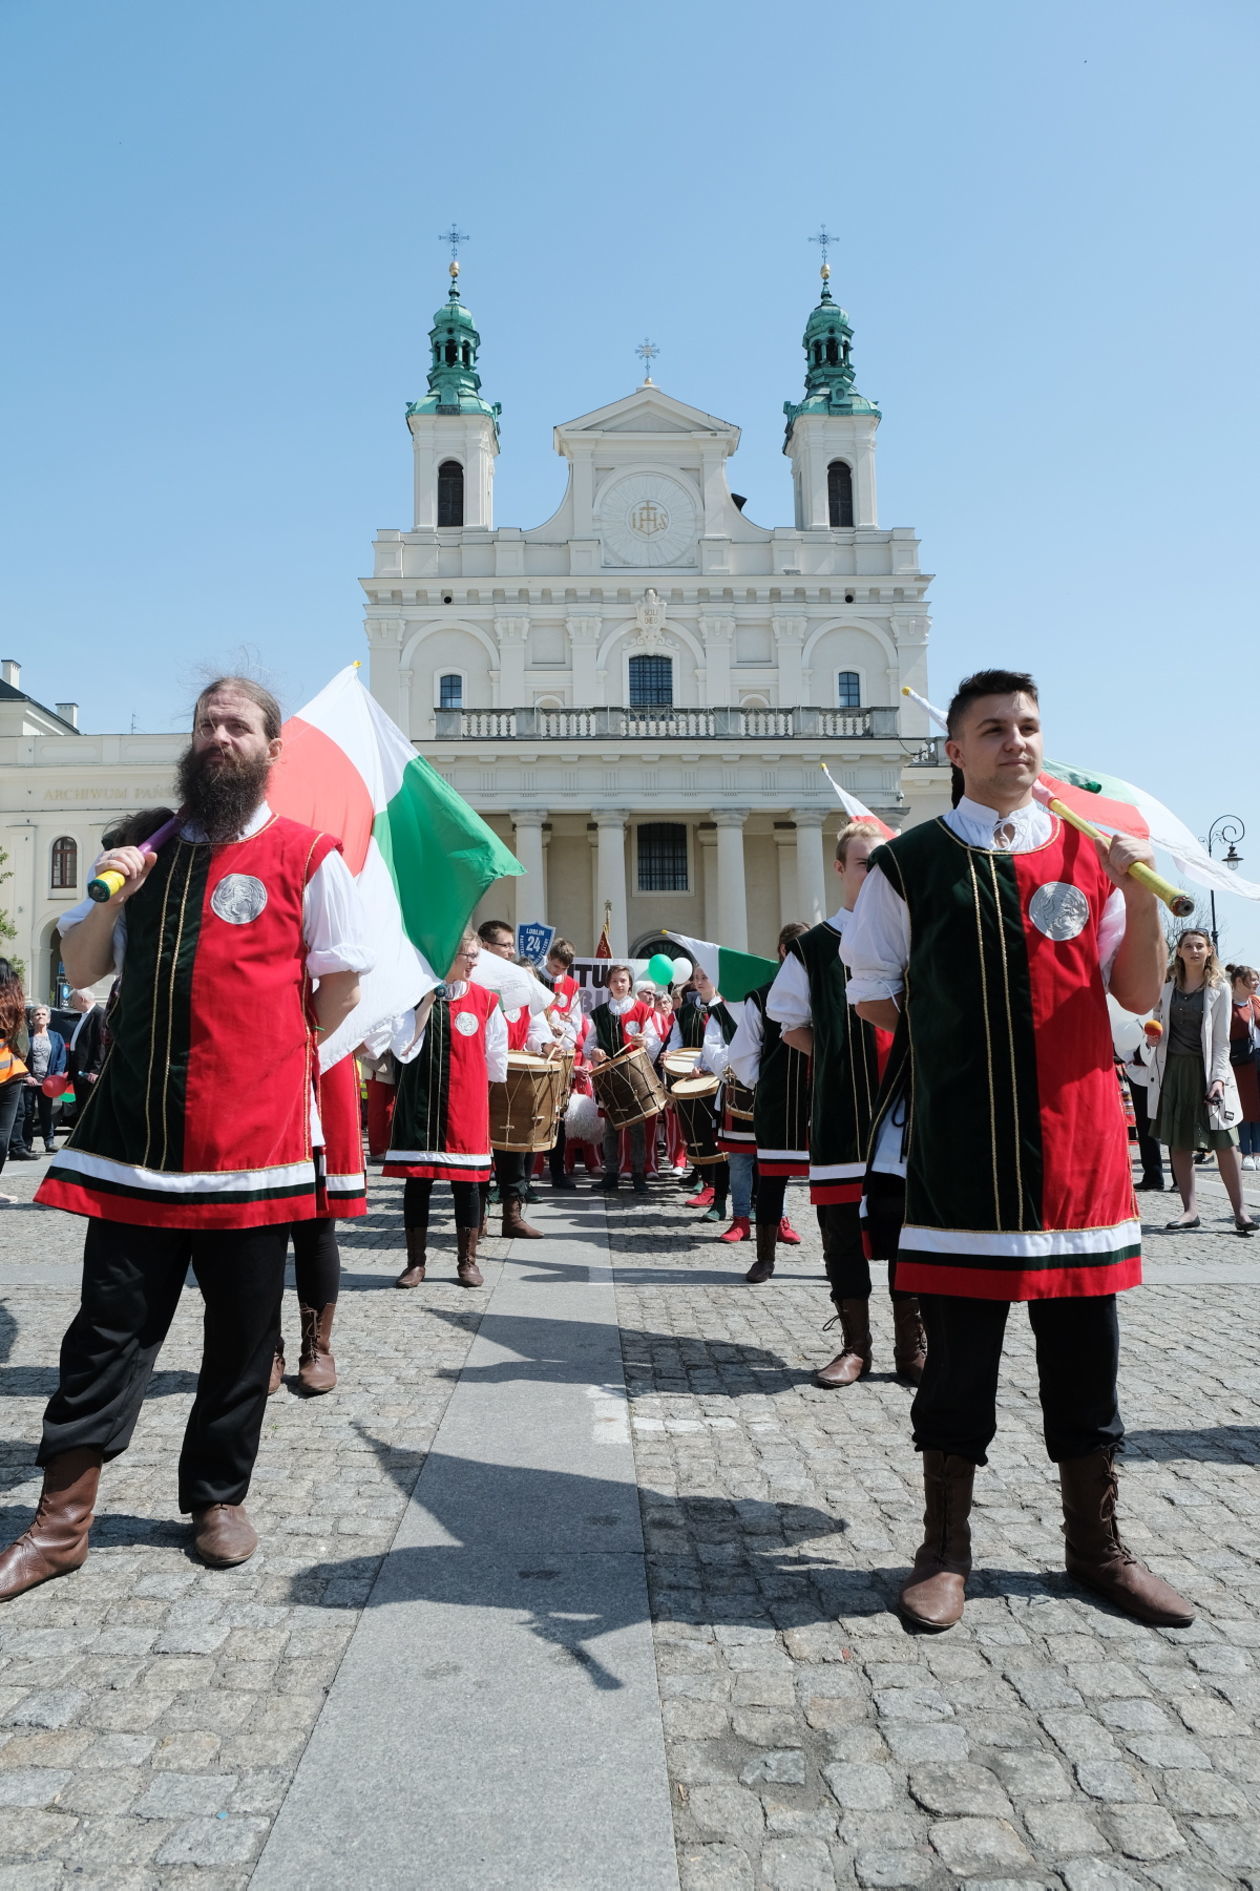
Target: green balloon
column 660, row 969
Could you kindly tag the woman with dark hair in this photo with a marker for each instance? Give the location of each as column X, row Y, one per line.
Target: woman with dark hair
column 1244, row 1058
column 1192, row 1095
column 12, row 1066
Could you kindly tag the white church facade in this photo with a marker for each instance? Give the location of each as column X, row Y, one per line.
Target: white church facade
column 639, row 693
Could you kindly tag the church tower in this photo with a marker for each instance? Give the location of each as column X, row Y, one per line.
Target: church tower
column 454, row 432
column 830, row 437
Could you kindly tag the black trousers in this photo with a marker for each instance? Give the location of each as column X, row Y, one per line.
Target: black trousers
column 418, row 1190
column 771, row 1195
column 316, row 1262
column 509, row 1173
column 132, row 1280
column 10, row 1110
column 1148, row 1148
column 1078, row 1357
column 848, row 1270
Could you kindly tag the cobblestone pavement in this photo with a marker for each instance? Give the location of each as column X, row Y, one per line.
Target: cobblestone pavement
column 152, row 1712
column 1046, row 1741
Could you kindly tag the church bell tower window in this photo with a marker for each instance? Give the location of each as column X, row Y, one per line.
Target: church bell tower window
column 450, row 494
column 840, row 493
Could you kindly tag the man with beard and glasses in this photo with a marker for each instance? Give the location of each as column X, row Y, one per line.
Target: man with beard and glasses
column 195, row 1146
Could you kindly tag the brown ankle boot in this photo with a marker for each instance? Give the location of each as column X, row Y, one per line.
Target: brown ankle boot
column 413, row 1272
column 1095, row 1554
column 468, row 1273
column 762, row 1268
column 909, row 1339
column 223, row 1535
column 515, row 1227
column 853, row 1361
column 277, row 1370
column 936, row 1591
column 317, row 1369
column 57, row 1540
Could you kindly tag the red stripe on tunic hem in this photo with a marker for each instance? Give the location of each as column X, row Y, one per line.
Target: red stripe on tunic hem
column 435, row 1172
column 916, row 1275
column 824, row 1194
column 768, row 1166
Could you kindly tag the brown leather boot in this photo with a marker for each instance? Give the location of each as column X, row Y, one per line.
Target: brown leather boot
column 936, row 1591
column 413, row 1272
column 223, row 1535
column 277, row 1370
column 853, row 1361
column 767, row 1238
column 317, row 1369
column 57, row 1540
column 1095, row 1554
column 468, row 1273
column 909, row 1339
column 515, row 1227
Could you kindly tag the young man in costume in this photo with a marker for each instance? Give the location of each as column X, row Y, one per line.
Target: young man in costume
column 735, row 1138
column 780, row 1080
column 996, row 931
column 451, row 1048
column 808, row 999
column 175, row 1160
column 620, row 1022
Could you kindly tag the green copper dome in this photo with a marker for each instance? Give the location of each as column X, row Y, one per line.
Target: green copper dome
column 829, row 371
column 454, row 384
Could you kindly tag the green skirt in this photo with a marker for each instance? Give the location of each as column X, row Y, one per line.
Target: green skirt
column 1183, row 1119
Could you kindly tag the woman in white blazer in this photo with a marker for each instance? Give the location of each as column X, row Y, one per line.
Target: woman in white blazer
column 1192, row 1095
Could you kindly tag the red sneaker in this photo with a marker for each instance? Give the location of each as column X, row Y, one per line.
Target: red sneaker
column 788, row 1233
column 703, row 1200
column 739, row 1230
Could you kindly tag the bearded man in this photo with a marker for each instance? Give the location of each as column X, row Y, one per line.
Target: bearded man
column 234, row 946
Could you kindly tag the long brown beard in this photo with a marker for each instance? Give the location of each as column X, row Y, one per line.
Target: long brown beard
column 219, row 791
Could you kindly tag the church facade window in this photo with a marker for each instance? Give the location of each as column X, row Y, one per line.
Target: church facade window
column 651, row 682
column 65, row 864
column 849, row 690
column 840, row 493
column 450, row 493
column 451, row 690
column 662, row 857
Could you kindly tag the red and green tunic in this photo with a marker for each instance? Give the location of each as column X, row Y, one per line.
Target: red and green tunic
column 847, row 1058
column 201, row 1115
column 441, row 1127
column 343, row 1183
column 1018, row 1182
column 781, row 1099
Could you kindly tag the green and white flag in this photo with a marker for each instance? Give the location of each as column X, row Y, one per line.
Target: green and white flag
column 735, row 974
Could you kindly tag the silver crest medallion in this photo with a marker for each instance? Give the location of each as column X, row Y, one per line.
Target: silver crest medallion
column 1058, row 910
column 238, row 898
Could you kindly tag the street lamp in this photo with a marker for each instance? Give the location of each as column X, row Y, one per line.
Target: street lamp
column 1224, row 831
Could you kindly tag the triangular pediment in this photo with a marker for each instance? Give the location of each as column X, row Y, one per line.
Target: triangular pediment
column 649, row 410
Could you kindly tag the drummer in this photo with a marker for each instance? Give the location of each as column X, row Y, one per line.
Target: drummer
column 565, row 1012
column 529, row 1031
column 623, row 1022
column 781, row 1079
column 735, row 1139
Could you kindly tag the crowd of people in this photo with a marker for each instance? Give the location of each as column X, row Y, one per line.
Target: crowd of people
column 934, row 1061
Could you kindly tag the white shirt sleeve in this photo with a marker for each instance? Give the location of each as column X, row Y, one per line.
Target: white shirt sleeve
column 876, row 946
column 75, row 913
column 540, row 1036
column 746, row 1045
column 714, row 1052
column 496, row 1045
column 674, row 1042
column 788, row 1002
column 334, row 925
column 1111, row 932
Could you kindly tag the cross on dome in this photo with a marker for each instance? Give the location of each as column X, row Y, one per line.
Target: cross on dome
column 647, row 352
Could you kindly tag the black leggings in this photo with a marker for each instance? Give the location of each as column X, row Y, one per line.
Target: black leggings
column 844, row 1255
column 771, row 1196
column 316, row 1262
column 416, row 1192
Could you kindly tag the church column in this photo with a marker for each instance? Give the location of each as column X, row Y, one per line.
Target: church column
column 732, row 896
column 706, row 843
column 531, row 886
column 785, row 862
column 811, row 871
column 610, row 874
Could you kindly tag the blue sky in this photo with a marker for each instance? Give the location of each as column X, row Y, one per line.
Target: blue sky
column 221, row 229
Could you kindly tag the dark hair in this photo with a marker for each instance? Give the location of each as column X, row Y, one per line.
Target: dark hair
column 792, row 930
column 987, row 683
column 488, row 927
column 562, row 949
column 244, row 686
column 12, row 1000
column 133, row 828
column 1242, row 971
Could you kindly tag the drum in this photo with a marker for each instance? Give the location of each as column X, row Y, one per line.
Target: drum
column 628, row 1088
column 693, row 1098
column 524, row 1108
column 676, row 1064
column 738, row 1099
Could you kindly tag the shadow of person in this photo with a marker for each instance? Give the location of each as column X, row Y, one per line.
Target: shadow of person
column 1214, row 1444
column 561, row 1553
